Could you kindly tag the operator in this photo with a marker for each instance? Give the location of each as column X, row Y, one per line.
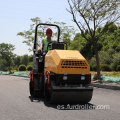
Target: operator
column 45, row 42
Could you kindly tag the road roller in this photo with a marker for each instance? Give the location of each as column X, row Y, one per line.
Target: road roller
column 59, row 75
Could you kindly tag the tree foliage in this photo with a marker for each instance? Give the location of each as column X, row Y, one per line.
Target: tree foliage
column 66, row 32
column 105, row 67
column 17, row 60
column 108, row 47
column 92, row 14
column 118, row 68
column 6, row 56
column 115, row 61
column 24, row 60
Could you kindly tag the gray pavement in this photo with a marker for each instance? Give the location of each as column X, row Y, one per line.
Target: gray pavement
column 17, row 104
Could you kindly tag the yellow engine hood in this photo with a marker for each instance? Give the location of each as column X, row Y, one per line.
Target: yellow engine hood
column 66, row 61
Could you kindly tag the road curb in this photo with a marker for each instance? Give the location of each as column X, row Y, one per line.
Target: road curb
column 112, row 87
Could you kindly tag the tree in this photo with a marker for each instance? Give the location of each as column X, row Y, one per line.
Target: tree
column 30, row 58
column 115, row 61
column 66, row 32
column 17, row 60
column 110, row 39
column 24, row 60
column 6, row 55
column 1, row 62
column 78, row 42
column 91, row 14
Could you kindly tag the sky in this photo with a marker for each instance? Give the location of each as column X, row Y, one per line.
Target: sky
column 15, row 17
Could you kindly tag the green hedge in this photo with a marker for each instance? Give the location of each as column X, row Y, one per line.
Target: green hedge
column 105, row 67
column 29, row 68
column 115, row 61
column 22, row 68
column 118, row 68
column 94, row 67
column 91, row 69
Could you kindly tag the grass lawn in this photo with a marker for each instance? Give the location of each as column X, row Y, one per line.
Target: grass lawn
column 112, row 73
column 24, row 71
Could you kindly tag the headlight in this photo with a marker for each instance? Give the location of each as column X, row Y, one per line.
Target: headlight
column 65, row 78
column 82, row 77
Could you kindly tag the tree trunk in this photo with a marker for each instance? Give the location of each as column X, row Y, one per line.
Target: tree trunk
column 97, row 60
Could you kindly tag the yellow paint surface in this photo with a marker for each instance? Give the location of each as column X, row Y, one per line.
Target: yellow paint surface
column 66, row 61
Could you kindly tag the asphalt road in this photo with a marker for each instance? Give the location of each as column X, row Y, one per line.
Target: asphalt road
column 17, row 104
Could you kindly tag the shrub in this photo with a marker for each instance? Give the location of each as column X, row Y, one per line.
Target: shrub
column 91, row 69
column 30, row 63
column 22, row 68
column 16, row 68
column 92, row 61
column 105, row 57
column 29, row 68
column 105, row 67
column 116, row 60
column 94, row 67
column 118, row 68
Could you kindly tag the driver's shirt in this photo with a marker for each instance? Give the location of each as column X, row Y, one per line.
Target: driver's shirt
column 45, row 43
column 42, row 42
